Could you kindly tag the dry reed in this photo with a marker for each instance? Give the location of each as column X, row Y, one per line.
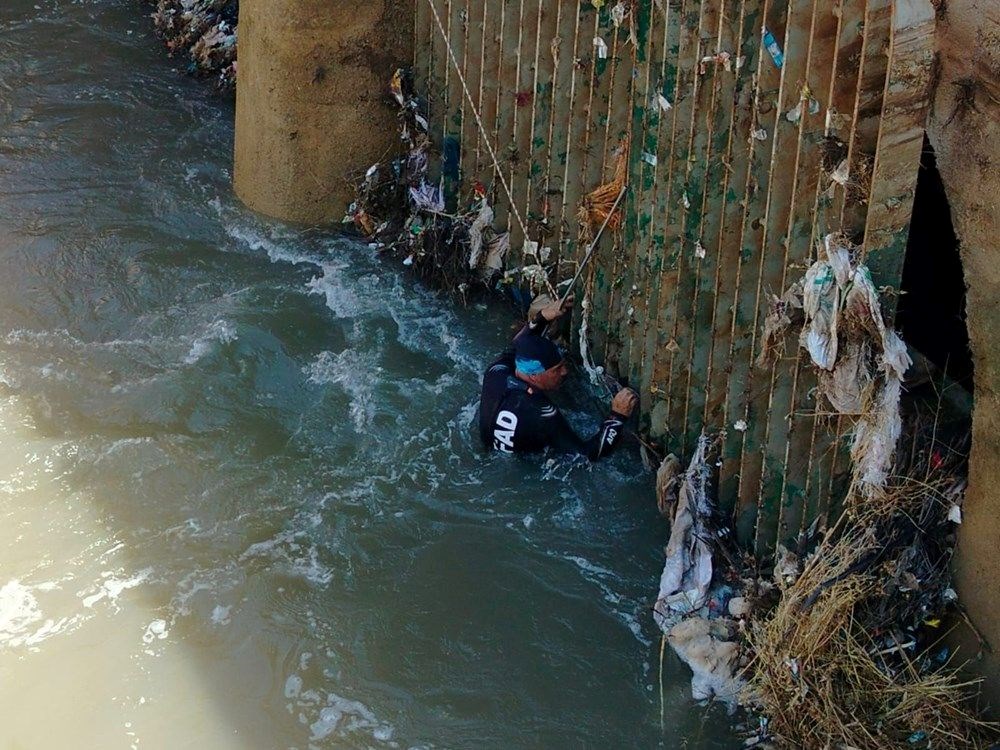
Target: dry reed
column 829, row 670
column 597, row 204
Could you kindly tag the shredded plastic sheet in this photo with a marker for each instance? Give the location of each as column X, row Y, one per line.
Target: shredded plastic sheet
column 705, row 643
column 861, row 362
column 426, row 197
column 595, row 372
column 687, row 572
column 496, row 254
column 668, row 477
column 708, row 647
column 483, row 221
column 821, row 303
column 784, row 311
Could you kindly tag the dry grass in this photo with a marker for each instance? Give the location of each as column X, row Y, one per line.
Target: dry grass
column 822, row 671
column 596, row 205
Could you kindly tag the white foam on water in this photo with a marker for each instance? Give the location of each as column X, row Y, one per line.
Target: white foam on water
column 354, row 372
column 113, row 586
column 156, row 630
column 218, row 332
column 602, row 578
column 300, row 559
column 347, row 297
column 293, row 686
column 346, row 716
column 279, row 249
column 221, row 615
column 20, row 613
column 19, row 610
column 213, row 581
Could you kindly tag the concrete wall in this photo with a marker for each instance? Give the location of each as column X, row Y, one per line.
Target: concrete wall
column 965, row 133
column 310, row 111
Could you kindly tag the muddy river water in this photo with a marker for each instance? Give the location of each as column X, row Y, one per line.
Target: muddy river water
column 241, row 501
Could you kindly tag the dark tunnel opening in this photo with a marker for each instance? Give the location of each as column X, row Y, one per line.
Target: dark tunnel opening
column 931, row 314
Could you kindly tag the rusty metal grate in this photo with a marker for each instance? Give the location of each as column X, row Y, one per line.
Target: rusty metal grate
column 729, row 192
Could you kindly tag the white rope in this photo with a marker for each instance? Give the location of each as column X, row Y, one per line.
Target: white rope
column 479, row 121
column 486, row 138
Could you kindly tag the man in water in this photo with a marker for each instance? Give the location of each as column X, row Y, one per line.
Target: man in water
column 515, row 413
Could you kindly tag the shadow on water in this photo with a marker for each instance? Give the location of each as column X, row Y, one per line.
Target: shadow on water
column 241, row 498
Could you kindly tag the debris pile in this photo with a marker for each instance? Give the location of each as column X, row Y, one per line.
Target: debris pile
column 839, row 643
column 401, row 210
column 204, row 31
column 851, row 655
column 860, row 361
column 692, row 615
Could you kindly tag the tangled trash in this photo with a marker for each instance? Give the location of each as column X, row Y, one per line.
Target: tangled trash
column 401, row 210
column 839, row 642
column 691, row 614
column 852, row 656
column 204, row 31
column 860, row 361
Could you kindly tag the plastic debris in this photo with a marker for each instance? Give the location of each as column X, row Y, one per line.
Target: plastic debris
column 595, row 372
column 602, row 48
column 205, row 31
column 955, row 514
column 618, row 14
column 787, row 567
column 722, row 58
column 740, row 425
column 699, row 249
column 496, row 254
column 401, row 210
column 483, row 221
column 709, row 649
column 687, row 572
column 783, row 312
column 663, row 103
column 668, row 478
column 739, row 606
column 649, row 158
column 426, row 197
column 821, row 302
column 759, row 134
column 773, row 48
column 687, row 609
column 795, row 114
column 842, row 173
column 862, row 362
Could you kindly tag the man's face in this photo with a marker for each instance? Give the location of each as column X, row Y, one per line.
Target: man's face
column 551, row 379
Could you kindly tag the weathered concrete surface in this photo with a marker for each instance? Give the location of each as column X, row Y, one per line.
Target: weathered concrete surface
column 965, row 132
column 309, row 101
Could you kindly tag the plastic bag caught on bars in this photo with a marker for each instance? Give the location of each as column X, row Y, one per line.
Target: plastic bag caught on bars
column 687, row 571
column 821, row 304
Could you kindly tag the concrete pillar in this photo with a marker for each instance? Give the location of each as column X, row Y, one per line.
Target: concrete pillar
column 311, row 100
column 965, row 131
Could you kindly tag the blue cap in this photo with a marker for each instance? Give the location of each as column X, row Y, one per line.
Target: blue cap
column 533, row 355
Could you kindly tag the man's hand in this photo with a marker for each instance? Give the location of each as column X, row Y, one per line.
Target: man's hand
column 624, row 402
column 555, row 310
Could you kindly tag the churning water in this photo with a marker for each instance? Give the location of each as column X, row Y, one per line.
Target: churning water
column 241, row 500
